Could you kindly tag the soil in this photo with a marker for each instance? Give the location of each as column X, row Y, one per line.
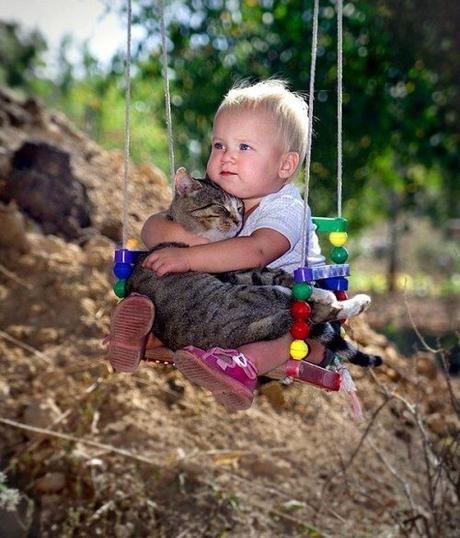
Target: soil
column 151, row 455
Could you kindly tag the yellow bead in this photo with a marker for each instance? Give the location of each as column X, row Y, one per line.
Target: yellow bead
column 338, row 239
column 132, row 244
column 298, row 350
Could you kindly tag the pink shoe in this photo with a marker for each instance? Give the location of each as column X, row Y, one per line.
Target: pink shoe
column 130, row 326
column 227, row 373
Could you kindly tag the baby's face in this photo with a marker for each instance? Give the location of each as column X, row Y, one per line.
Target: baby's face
column 246, row 155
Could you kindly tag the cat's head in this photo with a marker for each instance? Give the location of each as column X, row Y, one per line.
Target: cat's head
column 203, row 208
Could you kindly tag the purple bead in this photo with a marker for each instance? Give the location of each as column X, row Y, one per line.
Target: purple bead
column 309, row 274
column 124, row 255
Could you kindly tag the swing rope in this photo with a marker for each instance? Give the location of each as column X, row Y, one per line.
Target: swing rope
column 127, row 134
column 127, row 129
column 305, row 230
column 339, row 103
column 164, row 56
column 314, row 47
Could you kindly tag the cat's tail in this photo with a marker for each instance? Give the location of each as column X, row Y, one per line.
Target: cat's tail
column 325, row 334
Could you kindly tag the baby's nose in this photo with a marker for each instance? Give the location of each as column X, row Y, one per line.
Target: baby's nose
column 228, row 155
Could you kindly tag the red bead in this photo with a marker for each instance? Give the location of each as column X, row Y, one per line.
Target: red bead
column 341, row 295
column 300, row 310
column 300, row 330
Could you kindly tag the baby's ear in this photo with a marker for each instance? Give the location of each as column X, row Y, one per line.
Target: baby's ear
column 184, row 183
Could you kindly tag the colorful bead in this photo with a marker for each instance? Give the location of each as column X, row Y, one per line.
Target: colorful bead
column 122, row 270
column 299, row 349
column 132, row 244
column 334, row 284
column 119, row 288
column 338, row 239
column 309, row 274
column 339, row 254
column 300, row 310
column 301, row 291
column 300, row 330
column 341, row 295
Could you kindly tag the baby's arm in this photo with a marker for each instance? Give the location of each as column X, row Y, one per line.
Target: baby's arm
column 158, row 228
column 257, row 250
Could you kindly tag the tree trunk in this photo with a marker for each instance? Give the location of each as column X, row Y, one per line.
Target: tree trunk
column 394, row 207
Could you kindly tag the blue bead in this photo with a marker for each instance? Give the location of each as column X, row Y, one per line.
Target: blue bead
column 122, row 270
column 334, row 284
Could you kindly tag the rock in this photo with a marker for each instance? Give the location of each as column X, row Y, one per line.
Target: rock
column 425, row 365
column 45, row 335
column 274, row 393
column 13, row 227
column 41, row 414
column 98, row 252
column 17, row 521
column 391, row 373
column 44, row 186
column 51, row 483
column 263, row 466
column 437, row 423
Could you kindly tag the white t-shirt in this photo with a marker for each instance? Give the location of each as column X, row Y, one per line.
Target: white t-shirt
column 283, row 211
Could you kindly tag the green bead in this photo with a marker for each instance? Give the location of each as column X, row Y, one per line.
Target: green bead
column 119, row 288
column 339, row 254
column 301, row 291
column 324, row 224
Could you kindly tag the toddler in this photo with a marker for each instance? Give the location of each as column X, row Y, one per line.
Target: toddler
column 258, row 145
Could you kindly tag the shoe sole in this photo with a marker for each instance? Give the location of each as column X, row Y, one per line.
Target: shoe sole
column 227, row 391
column 131, row 322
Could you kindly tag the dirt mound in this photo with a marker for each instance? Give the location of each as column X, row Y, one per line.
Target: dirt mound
column 151, row 455
column 66, row 183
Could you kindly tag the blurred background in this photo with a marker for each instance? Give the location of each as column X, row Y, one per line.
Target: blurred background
column 203, row 472
column 401, row 105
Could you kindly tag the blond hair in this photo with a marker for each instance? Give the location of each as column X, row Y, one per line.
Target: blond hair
column 288, row 109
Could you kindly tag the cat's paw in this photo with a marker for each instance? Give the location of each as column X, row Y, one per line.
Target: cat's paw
column 354, row 306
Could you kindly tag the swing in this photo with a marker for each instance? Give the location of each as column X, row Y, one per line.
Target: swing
column 331, row 277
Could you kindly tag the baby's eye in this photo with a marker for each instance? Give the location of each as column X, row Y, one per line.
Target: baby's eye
column 245, row 147
column 218, row 145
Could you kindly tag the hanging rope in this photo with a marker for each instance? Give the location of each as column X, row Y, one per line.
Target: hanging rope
column 127, row 130
column 172, row 166
column 339, row 103
column 314, row 47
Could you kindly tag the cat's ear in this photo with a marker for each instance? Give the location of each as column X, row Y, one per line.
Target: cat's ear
column 184, row 183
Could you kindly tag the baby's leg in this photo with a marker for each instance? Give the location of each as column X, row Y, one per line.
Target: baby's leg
column 270, row 354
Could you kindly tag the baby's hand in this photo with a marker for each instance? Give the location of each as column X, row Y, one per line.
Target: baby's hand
column 168, row 260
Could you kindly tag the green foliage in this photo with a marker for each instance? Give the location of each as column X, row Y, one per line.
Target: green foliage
column 21, row 55
column 401, row 106
column 398, row 103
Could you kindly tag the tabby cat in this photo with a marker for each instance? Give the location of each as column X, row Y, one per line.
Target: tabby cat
column 233, row 308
